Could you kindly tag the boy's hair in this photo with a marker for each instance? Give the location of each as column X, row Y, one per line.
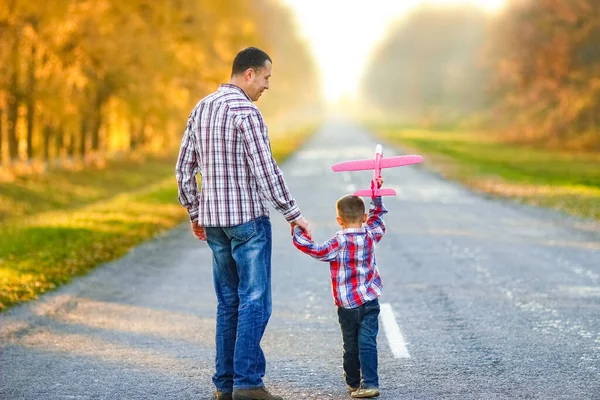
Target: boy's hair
column 250, row 57
column 350, row 208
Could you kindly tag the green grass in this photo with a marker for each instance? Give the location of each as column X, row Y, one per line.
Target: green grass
column 29, row 195
column 565, row 181
column 48, row 249
column 63, row 224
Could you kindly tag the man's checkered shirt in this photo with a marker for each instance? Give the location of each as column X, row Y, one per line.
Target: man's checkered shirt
column 226, row 141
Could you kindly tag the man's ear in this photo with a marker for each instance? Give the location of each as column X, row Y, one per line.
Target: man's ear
column 249, row 74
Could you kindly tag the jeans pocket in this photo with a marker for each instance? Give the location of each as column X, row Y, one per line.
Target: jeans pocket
column 372, row 306
column 242, row 232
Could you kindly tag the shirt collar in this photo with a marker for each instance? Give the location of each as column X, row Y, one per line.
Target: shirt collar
column 353, row 230
column 225, row 86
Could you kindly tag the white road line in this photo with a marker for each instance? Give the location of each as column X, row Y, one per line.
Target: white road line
column 392, row 332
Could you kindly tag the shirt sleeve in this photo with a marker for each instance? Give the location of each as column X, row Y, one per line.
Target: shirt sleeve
column 326, row 252
column 264, row 169
column 185, row 171
column 375, row 223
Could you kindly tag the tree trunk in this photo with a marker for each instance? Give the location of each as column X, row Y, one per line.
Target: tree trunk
column 14, row 98
column 95, row 132
column 59, row 142
column 83, row 136
column 71, row 148
column 136, row 136
column 1, row 135
column 30, row 96
column 47, row 134
column 101, row 97
column 96, row 122
column 142, row 133
column 132, row 136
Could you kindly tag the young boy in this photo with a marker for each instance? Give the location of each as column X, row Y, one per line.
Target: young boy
column 356, row 286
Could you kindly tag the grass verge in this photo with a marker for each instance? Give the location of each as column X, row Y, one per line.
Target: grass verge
column 565, row 181
column 63, row 224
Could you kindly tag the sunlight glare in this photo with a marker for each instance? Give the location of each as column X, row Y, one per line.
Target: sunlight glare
column 342, row 34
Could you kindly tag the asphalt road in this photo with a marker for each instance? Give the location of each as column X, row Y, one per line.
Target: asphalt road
column 492, row 300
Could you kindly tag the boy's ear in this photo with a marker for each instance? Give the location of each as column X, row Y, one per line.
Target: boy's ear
column 339, row 221
column 365, row 216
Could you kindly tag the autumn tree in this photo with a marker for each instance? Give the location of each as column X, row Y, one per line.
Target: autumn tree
column 428, row 68
column 83, row 78
column 530, row 72
column 546, row 59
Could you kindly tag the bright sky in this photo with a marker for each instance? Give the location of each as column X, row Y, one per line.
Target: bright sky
column 342, row 34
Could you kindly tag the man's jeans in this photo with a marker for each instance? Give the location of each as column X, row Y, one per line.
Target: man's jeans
column 242, row 280
column 359, row 331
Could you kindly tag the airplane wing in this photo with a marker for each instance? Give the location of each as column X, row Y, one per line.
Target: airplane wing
column 363, row 193
column 385, row 192
column 398, row 161
column 357, row 165
column 378, row 192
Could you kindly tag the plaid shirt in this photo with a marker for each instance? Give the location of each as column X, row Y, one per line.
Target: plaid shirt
column 351, row 255
column 226, row 141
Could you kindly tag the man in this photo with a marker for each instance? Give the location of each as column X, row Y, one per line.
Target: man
column 226, row 141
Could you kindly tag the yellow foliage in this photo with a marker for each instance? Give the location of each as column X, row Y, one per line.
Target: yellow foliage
column 104, row 75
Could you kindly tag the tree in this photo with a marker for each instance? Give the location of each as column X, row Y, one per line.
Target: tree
column 547, row 64
column 82, row 78
column 428, row 68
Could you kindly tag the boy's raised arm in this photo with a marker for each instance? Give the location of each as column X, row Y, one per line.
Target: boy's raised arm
column 325, row 252
column 375, row 222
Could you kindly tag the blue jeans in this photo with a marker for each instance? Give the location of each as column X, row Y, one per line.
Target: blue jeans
column 242, row 280
column 360, row 326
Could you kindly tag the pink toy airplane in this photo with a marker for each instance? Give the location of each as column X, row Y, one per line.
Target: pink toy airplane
column 376, row 164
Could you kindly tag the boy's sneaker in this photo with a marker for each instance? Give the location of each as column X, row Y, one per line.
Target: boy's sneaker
column 254, row 394
column 364, row 393
column 223, row 396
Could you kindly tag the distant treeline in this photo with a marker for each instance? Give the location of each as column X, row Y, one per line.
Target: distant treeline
column 530, row 71
column 81, row 78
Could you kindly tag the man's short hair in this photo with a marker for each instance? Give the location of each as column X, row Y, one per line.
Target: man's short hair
column 250, row 57
column 350, row 208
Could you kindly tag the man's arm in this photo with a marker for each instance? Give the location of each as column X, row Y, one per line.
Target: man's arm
column 265, row 170
column 185, row 171
column 325, row 252
column 375, row 223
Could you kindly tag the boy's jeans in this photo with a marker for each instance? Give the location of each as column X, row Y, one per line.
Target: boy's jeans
column 359, row 331
column 242, row 280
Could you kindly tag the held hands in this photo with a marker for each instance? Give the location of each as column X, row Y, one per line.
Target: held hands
column 200, row 234
column 379, row 182
column 198, row 231
column 303, row 224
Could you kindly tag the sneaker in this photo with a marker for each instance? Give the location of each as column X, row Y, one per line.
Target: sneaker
column 352, row 389
column 254, row 394
column 223, row 396
column 364, row 393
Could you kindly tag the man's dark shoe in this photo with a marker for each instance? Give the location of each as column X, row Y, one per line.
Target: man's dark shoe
column 223, row 396
column 254, row 394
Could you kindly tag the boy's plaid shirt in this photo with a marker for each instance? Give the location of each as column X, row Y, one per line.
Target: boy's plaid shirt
column 226, row 140
column 351, row 255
